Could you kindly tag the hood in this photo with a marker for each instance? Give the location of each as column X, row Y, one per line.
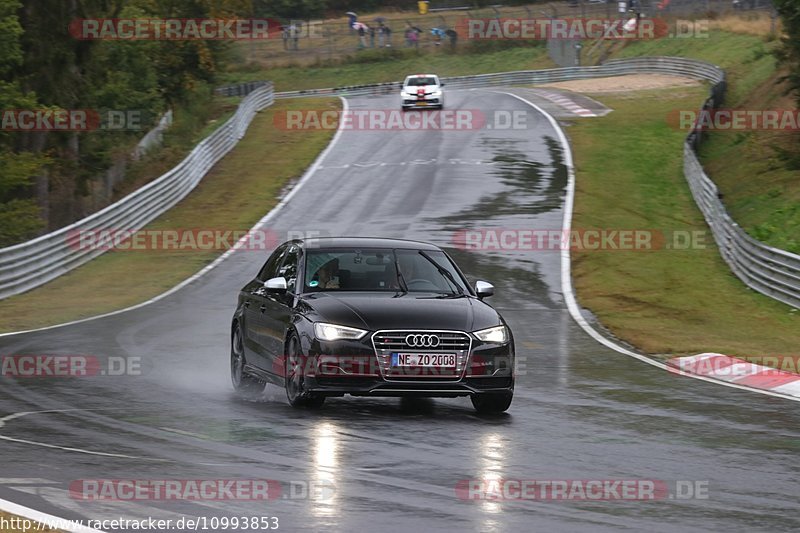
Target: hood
column 374, row 311
column 426, row 88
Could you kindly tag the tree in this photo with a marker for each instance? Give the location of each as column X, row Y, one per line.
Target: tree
column 19, row 214
column 790, row 52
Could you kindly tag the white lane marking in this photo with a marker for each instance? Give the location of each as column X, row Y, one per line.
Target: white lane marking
column 102, row 509
column 449, row 161
column 273, row 212
column 26, row 481
column 14, row 416
column 566, row 269
column 32, row 514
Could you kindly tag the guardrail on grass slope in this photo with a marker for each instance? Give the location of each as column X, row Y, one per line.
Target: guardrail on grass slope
column 768, row 270
column 35, row 262
column 763, row 268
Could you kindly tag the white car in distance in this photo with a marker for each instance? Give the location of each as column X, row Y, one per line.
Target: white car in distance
column 422, row 90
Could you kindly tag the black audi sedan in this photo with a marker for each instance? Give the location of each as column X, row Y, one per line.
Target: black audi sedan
column 370, row 317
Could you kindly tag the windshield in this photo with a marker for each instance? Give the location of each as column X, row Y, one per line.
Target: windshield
column 416, row 82
column 375, row 269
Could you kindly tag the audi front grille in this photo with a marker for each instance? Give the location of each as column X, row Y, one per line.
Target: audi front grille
column 387, row 342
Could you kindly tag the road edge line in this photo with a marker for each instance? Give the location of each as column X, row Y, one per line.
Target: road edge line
column 215, row 263
column 566, row 273
column 44, row 518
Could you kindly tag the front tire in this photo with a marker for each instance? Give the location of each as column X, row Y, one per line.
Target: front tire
column 491, row 403
column 295, row 378
column 243, row 383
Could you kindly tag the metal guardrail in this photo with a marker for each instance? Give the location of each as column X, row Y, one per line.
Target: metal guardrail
column 618, row 67
column 768, row 270
column 35, row 262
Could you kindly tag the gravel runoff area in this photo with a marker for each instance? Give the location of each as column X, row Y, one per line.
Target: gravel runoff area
column 632, row 82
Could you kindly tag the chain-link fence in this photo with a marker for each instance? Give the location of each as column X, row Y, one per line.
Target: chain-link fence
column 444, row 26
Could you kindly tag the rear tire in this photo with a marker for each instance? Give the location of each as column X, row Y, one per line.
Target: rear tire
column 295, row 378
column 491, row 403
column 243, row 383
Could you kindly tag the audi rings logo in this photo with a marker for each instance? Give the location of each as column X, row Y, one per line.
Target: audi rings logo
column 422, row 341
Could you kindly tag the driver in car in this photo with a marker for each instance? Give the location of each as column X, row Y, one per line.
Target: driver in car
column 326, row 275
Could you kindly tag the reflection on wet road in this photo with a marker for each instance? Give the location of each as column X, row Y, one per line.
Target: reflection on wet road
column 580, row 412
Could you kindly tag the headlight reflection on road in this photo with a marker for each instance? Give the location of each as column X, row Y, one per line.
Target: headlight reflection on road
column 492, row 464
column 325, row 448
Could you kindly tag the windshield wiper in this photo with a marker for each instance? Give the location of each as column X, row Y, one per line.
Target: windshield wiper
column 443, row 271
column 444, row 296
column 400, row 279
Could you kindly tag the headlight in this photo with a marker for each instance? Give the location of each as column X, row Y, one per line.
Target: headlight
column 437, row 93
column 497, row 334
column 332, row 332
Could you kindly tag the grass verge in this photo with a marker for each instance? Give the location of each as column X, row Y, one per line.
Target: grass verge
column 237, row 192
column 757, row 171
column 380, row 66
column 666, row 301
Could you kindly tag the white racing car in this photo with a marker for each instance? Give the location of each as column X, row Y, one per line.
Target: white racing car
column 422, row 90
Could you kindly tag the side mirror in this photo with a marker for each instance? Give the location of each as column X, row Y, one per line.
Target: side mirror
column 275, row 285
column 484, row 289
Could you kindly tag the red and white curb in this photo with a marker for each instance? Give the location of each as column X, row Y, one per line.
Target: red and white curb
column 737, row 371
column 788, row 389
column 566, row 103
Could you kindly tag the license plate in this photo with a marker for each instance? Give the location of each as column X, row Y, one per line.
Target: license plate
column 422, row 103
column 434, row 360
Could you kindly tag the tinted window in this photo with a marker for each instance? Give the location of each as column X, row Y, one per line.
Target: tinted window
column 288, row 270
column 415, row 82
column 374, row 270
column 270, row 268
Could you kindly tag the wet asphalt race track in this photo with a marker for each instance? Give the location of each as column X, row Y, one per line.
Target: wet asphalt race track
column 580, row 412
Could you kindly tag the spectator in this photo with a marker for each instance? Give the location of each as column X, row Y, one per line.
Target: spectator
column 384, row 35
column 412, row 36
column 388, row 32
column 438, row 34
column 362, row 32
column 453, row 36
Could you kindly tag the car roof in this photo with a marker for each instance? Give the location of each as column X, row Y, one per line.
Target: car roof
column 365, row 242
column 422, row 76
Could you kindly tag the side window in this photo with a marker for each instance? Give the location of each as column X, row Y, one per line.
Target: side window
column 288, row 269
column 270, row 268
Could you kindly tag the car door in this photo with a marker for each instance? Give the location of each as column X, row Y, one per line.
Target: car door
column 255, row 323
column 278, row 310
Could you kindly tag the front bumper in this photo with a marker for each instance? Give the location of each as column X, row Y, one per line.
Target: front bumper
column 359, row 369
column 427, row 102
column 425, row 389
